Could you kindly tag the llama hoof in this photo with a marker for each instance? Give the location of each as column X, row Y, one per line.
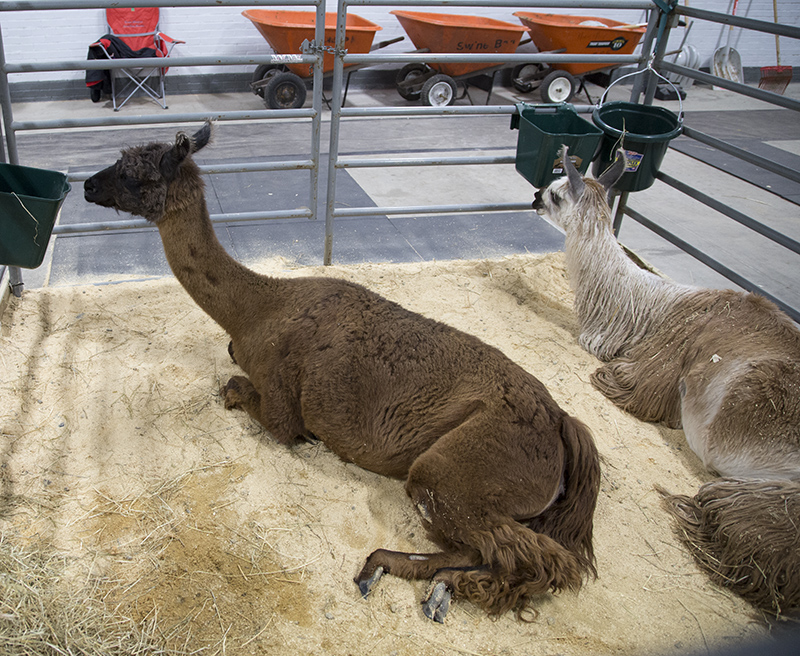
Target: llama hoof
column 232, row 393
column 230, row 352
column 438, row 603
column 309, row 437
column 365, row 585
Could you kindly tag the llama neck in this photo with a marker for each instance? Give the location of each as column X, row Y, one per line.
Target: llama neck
column 220, row 285
column 616, row 301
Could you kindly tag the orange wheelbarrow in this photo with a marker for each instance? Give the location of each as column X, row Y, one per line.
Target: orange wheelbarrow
column 436, row 84
column 283, row 86
column 581, row 35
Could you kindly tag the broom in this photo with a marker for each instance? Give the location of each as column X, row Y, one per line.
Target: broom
column 775, row 78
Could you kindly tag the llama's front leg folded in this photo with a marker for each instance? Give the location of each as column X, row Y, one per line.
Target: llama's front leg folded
column 272, row 409
column 239, row 393
column 415, row 566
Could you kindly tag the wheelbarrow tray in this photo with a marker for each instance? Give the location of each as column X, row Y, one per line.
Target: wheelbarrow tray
column 285, row 32
column 456, row 33
column 581, row 35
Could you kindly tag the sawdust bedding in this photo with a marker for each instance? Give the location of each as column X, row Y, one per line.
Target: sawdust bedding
column 118, row 455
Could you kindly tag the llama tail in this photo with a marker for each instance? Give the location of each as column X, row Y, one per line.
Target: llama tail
column 553, row 553
column 520, row 565
column 745, row 534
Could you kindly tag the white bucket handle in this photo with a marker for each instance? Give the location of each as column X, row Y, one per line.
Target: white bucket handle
column 652, row 70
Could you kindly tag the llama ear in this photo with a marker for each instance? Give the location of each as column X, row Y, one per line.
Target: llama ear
column 613, row 173
column 171, row 160
column 576, row 183
column 201, row 137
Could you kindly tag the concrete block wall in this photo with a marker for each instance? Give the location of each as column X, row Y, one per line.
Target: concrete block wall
column 38, row 36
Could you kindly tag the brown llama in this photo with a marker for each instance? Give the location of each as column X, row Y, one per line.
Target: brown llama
column 504, row 480
column 721, row 364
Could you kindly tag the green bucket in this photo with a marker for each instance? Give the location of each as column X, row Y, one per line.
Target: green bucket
column 30, row 201
column 643, row 131
column 543, row 129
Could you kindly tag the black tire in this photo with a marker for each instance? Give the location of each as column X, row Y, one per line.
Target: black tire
column 265, row 72
column 557, row 87
column 285, row 91
column 439, row 91
column 523, row 74
column 406, row 75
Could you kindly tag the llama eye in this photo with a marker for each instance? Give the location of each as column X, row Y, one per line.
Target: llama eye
column 556, row 200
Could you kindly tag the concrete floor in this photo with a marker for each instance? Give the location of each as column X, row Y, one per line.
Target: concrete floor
column 118, row 255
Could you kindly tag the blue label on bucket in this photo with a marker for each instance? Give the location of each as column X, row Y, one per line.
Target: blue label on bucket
column 632, row 161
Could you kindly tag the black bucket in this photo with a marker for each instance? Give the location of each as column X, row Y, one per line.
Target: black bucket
column 543, row 129
column 643, row 131
column 30, row 201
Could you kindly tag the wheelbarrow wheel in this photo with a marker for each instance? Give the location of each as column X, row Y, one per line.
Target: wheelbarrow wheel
column 439, row 91
column 285, row 91
column 557, row 87
column 524, row 75
column 406, row 78
column 265, row 72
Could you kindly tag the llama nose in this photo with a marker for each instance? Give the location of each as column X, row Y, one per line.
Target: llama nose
column 537, row 200
column 89, row 188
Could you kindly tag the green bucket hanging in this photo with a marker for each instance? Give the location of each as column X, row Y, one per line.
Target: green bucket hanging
column 643, row 131
column 30, row 202
column 543, row 129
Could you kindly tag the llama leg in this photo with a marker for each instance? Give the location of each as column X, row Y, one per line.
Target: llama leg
column 646, row 388
column 269, row 410
column 411, row 566
column 240, row 393
column 469, row 488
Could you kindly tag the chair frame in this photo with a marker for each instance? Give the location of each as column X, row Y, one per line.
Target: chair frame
column 137, row 78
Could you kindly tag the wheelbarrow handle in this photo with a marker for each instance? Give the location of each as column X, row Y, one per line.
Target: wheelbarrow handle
column 389, row 42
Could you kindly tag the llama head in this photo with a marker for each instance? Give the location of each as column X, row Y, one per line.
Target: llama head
column 575, row 198
column 139, row 180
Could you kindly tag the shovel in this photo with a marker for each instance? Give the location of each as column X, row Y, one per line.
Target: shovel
column 727, row 62
column 775, row 78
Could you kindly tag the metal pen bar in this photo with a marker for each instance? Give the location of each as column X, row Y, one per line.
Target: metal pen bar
column 567, row 4
column 316, row 102
column 425, row 161
column 419, row 110
column 155, row 62
column 640, row 81
column 710, row 262
column 495, row 57
column 39, row 5
column 139, row 224
column 336, row 114
column 208, row 169
column 163, row 119
column 5, row 104
column 450, row 110
column 751, row 158
column 736, row 215
column 433, row 209
column 744, row 89
column 739, row 21
column 14, row 273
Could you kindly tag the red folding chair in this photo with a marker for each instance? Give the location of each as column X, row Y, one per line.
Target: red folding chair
column 138, row 30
